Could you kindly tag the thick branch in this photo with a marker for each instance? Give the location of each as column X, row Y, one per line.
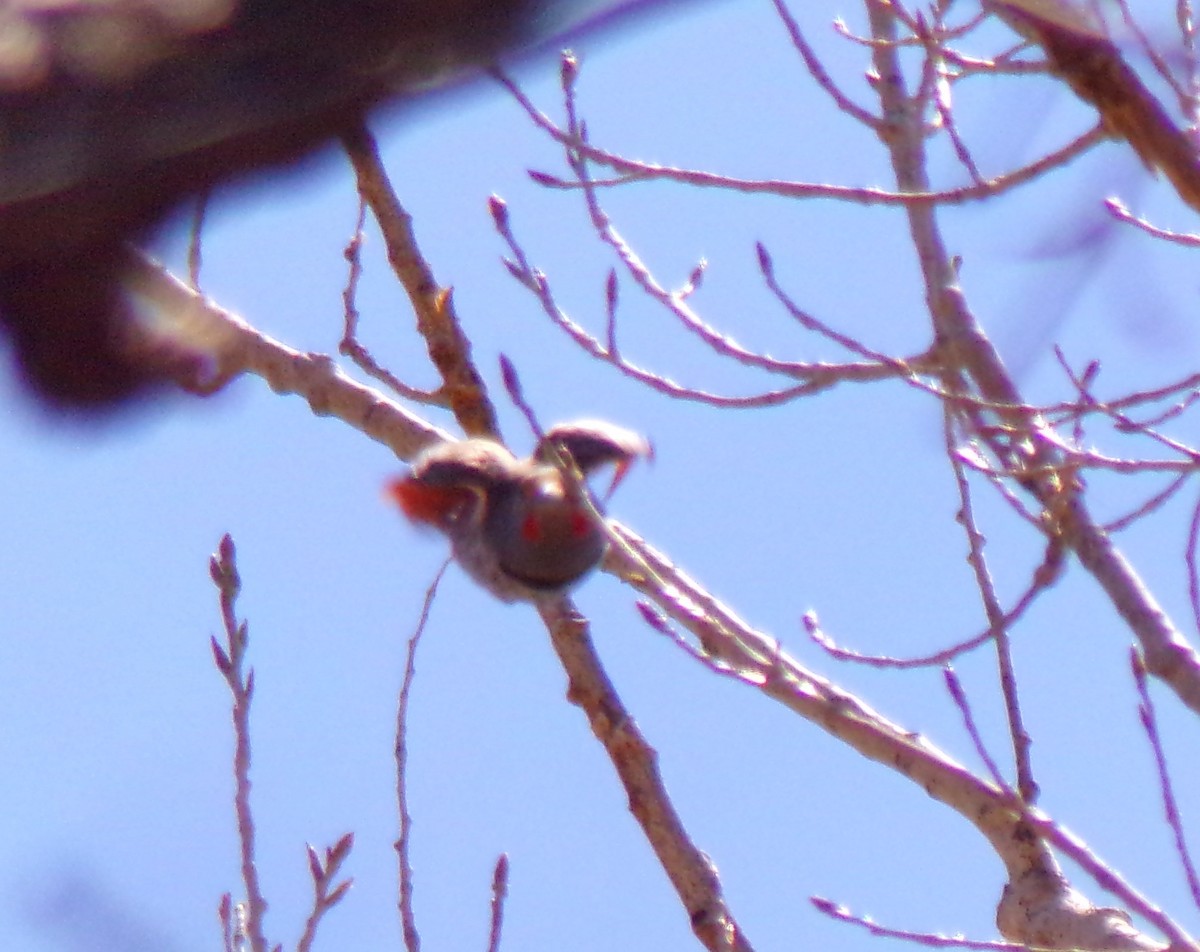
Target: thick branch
column 1090, row 63
column 690, row 871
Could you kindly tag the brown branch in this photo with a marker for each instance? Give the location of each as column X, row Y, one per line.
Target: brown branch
column 230, row 659
column 326, row 895
column 404, row 899
column 1185, row 100
column 350, row 345
column 1149, row 721
column 237, row 348
column 1083, row 56
column 690, row 871
column 1168, row 656
column 449, row 348
column 635, row 171
column 499, row 894
column 1027, row 787
column 195, row 252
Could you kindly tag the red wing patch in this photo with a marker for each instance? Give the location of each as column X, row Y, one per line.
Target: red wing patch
column 431, row 505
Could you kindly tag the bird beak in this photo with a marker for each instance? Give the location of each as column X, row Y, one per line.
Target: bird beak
column 622, row 466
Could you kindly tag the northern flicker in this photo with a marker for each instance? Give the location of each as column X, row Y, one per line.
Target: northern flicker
column 518, row 526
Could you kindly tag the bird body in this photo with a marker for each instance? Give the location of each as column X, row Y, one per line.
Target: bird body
column 520, row 527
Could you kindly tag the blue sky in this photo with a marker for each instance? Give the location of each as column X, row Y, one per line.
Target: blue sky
column 115, row 808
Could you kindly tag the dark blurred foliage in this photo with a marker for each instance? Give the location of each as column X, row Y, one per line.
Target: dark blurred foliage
column 112, row 112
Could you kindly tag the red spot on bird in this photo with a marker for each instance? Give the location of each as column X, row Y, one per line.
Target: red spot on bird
column 531, row 530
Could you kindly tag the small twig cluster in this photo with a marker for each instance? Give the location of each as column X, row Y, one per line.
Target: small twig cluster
column 242, row 921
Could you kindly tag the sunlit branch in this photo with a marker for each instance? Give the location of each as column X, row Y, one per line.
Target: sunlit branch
column 817, row 71
column 820, row 375
column 1045, row 575
column 649, row 171
column 230, row 660
column 1149, row 719
column 350, row 345
column 1120, row 212
column 984, row 583
column 437, row 321
column 404, row 879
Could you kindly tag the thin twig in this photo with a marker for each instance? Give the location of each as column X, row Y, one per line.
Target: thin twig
column 404, row 900
column 1193, row 569
column 437, row 320
column 930, row 940
column 499, row 894
column 818, row 376
column 1121, row 212
column 1045, row 575
column 323, row 870
column 350, row 345
column 959, row 696
column 1170, row 806
column 230, row 659
column 817, row 70
column 1018, row 735
column 225, row 915
column 637, row 171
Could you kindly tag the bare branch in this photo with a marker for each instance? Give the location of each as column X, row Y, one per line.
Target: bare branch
column 1027, row 787
column 408, row 919
column 230, row 659
column 195, row 232
column 817, row 70
column 323, row 870
column 820, row 375
column 691, row 872
column 959, row 696
column 634, row 171
column 1170, row 807
column 499, row 894
column 238, row 348
column 842, row 914
column 979, row 366
column 1120, row 212
column 1081, row 53
column 449, row 348
column 350, row 345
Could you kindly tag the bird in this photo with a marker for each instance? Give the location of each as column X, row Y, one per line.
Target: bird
column 519, row 527
column 114, row 112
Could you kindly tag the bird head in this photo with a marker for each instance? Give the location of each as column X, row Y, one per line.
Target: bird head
column 450, row 482
column 594, row 444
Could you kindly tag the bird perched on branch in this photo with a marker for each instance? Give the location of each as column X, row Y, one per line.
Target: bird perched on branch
column 520, row 527
column 114, row 111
